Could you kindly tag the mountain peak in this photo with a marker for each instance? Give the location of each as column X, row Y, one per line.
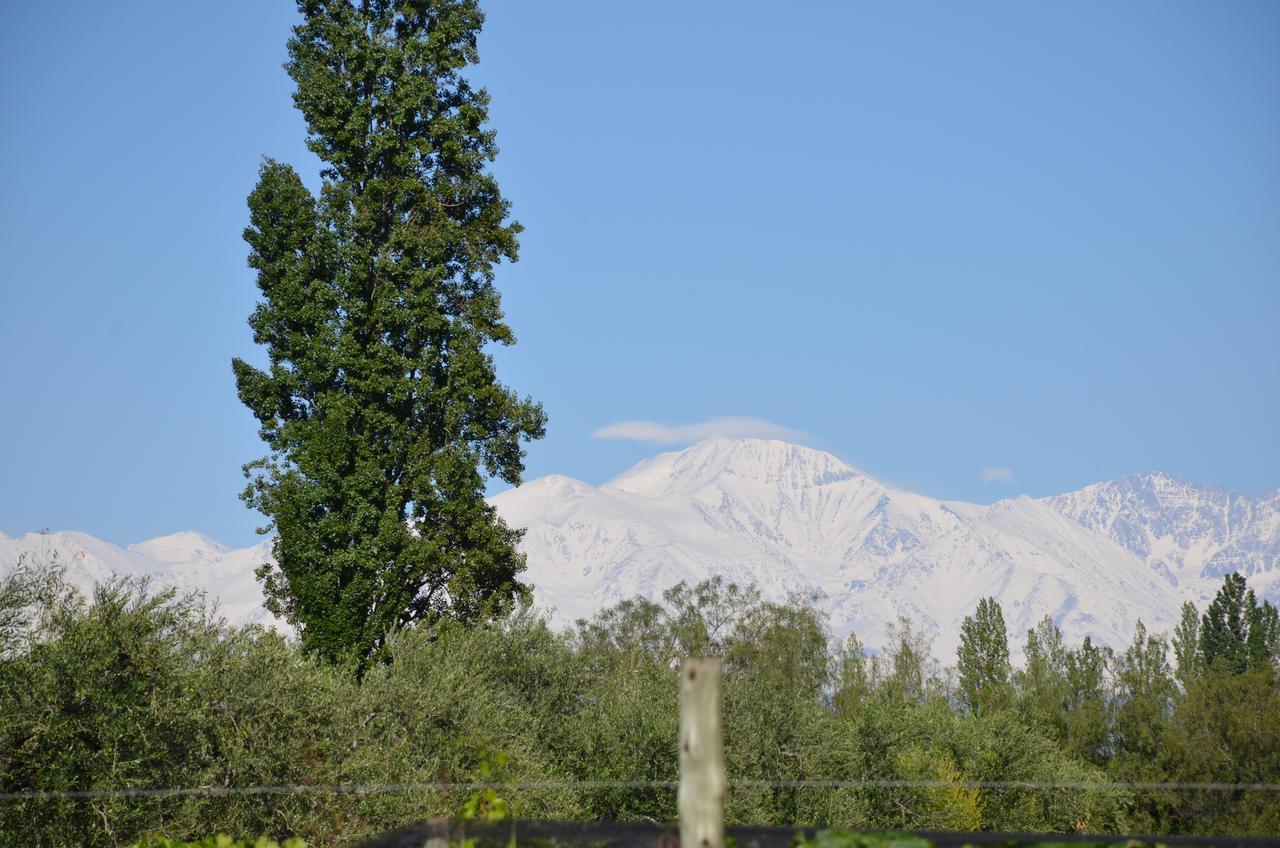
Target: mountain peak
column 793, row 519
column 764, row 460
column 183, row 546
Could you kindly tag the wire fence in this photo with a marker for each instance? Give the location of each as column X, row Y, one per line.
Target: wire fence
column 587, row 785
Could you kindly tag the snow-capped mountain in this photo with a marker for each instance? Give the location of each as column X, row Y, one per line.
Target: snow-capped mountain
column 796, row 521
column 791, row 519
column 187, row 561
column 1183, row 531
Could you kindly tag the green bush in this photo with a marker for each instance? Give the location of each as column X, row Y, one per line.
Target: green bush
column 220, row 841
column 135, row 690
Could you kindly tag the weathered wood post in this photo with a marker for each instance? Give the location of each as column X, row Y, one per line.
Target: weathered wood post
column 702, row 780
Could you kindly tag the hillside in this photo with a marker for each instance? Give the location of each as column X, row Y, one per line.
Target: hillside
column 797, row 521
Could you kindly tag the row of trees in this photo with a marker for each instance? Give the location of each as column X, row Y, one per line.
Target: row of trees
column 1235, row 634
column 131, row 690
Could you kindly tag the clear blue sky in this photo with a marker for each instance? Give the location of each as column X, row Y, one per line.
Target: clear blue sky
column 936, row 238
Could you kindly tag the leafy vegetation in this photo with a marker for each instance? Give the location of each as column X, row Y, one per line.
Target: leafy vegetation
column 826, row 838
column 220, row 841
column 135, row 690
column 836, row 838
column 381, row 407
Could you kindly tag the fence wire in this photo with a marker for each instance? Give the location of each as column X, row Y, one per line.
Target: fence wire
column 472, row 786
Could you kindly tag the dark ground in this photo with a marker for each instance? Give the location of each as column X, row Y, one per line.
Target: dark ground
column 644, row 835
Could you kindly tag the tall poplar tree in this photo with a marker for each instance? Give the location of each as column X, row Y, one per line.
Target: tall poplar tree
column 983, row 659
column 1043, row 690
column 1188, row 661
column 1086, row 713
column 1142, row 702
column 381, row 407
column 1224, row 627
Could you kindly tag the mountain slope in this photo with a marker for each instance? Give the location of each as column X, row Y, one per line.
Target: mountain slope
column 793, row 520
column 185, row 561
column 796, row 521
column 1184, row 531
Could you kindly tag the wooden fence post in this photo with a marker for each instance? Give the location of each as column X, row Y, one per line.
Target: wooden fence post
column 702, row 780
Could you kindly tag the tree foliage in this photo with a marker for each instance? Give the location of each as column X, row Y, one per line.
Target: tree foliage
column 133, row 689
column 1043, row 692
column 1238, row 633
column 1086, row 713
column 1188, row 661
column 983, row 658
column 380, row 404
column 1143, row 693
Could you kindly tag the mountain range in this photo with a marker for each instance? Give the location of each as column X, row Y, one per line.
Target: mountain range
column 798, row 522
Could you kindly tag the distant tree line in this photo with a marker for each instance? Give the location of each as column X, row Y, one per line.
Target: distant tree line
column 129, row 689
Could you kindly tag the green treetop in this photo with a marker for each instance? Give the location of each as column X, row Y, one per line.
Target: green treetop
column 1188, row 661
column 1263, row 642
column 1223, row 628
column 1142, row 701
column 983, row 658
column 1236, row 632
column 1042, row 681
column 380, row 406
column 1086, row 712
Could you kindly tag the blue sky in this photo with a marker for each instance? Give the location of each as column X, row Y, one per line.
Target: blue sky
column 1036, row 240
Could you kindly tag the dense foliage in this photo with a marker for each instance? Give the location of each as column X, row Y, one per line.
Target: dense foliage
column 133, row 690
column 516, row 837
column 837, row 838
column 381, row 406
column 220, row 841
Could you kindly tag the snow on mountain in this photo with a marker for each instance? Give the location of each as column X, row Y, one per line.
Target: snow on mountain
column 797, row 521
column 1187, row 534
column 187, row 546
column 185, row 561
column 793, row 520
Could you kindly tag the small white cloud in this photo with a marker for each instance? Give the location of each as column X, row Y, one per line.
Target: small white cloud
column 728, row 428
column 997, row 475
